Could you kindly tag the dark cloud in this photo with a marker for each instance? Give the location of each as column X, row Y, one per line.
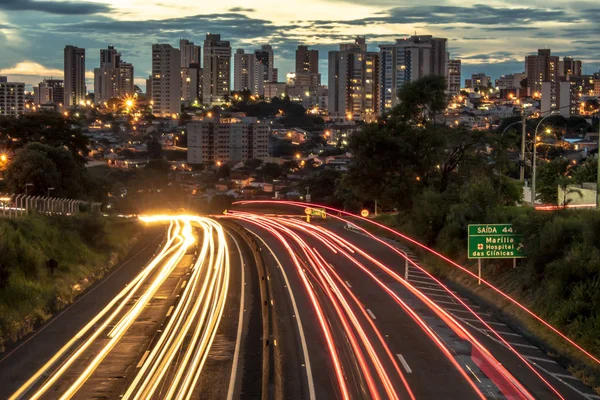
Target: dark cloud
column 486, row 56
column 241, row 9
column 478, row 15
column 510, row 28
column 54, row 7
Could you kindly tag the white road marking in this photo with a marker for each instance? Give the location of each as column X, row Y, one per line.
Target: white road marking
column 170, row 311
column 311, row 384
column 238, row 341
column 457, row 304
column 487, row 322
column 143, row 359
column 371, row 314
column 540, row 359
column 467, row 311
column 404, row 363
column 348, row 284
column 523, row 345
column 183, row 284
column 433, row 289
column 431, row 282
column 504, row 333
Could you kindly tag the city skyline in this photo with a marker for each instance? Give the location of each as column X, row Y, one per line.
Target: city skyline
column 491, row 39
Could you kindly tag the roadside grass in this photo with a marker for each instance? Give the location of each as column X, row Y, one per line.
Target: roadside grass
column 85, row 247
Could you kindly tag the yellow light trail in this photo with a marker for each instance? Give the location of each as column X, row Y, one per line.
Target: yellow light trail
column 198, row 312
column 166, row 249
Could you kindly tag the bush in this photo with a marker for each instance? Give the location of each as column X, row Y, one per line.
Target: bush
column 83, row 247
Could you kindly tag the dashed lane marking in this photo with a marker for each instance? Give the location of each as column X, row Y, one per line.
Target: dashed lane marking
column 371, row 314
column 404, row 363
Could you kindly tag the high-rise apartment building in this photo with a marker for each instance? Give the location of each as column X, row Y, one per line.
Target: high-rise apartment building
column 559, row 97
column 569, row 67
column 190, row 55
column 307, row 60
column 407, row 60
column 213, row 141
column 190, row 83
column 126, row 79
column 110, row 57
column 354, row 81
column 265, row 57
column 12, row 97
column 540, row 68
column 307, row 67
column 243, row 71
column 166, row 80
column 189, row 52
column 478, row 81
column 510, row 81
column 74, row 67
column 216, row 69
column 453, row 77
column 49, row 91
column 114, row 78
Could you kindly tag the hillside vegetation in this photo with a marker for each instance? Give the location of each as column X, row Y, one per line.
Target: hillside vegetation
column 45, row 262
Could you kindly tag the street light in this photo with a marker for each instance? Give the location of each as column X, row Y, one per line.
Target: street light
column 49, row 190
column 27, row 188
column 535, row 140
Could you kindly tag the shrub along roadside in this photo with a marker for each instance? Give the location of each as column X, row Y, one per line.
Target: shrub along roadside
column 45, row 262
column 560, row 279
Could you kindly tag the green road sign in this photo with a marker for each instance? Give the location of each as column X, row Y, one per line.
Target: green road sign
column 495, row 241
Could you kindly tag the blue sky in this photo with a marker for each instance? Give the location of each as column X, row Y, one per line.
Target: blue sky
column 492, row 38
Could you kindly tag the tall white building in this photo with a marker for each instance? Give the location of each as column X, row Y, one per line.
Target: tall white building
column 353, row 82
column 408, row 60
column 12, row 97
column 243, row 71
column 212, row 141
column 216, row 70
column 166, row 80
column 74, row 67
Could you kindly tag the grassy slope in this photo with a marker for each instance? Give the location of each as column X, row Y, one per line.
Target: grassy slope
column 85, row 248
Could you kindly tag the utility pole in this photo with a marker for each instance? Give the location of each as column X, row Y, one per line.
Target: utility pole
column 598, row 158
column 523, row 133
column 533, row 170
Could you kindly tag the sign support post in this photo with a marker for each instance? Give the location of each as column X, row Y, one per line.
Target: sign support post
column 479, row 269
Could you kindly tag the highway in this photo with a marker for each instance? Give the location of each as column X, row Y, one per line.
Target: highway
column 471, row 354
column 151, row 338
column 253, row 305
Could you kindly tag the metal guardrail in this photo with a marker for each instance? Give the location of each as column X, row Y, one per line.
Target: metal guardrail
column 13, row 206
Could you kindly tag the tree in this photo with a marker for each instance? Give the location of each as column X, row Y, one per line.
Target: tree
column 154, row 149
column 322, row 185
column 421, row 100
column 51, row 129
column 45, row 166
column 271, row 171
column 548, row 177
column 224, row 171
column 253, row 163
column 586, row 172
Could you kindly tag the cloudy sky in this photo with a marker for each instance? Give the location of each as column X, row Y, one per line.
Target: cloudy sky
column 491, row 38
